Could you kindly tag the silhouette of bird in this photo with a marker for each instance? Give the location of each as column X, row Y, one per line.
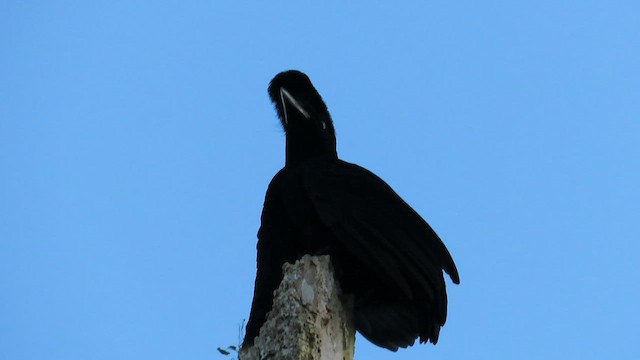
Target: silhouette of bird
column 383, row 252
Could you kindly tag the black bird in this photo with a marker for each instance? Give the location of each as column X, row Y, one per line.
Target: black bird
column 383, row 252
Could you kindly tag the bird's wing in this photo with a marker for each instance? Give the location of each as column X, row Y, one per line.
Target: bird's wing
column 274, row 249
column 375, row 225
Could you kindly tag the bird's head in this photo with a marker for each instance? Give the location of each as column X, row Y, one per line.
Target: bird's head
column 303, row 114
column 299, row 105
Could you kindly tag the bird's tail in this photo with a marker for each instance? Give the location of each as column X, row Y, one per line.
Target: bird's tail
column 394, row 326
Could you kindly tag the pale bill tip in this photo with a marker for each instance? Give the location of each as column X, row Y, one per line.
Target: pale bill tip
column 285, row 94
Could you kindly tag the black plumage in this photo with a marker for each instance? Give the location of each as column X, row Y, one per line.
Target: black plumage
column 384, row 253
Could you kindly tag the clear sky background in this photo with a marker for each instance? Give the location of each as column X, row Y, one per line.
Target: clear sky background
column 137, row 141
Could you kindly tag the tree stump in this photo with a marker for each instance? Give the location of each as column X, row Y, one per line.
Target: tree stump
column 310, row 319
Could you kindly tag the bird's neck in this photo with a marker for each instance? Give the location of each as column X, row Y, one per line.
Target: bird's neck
column 307, row 148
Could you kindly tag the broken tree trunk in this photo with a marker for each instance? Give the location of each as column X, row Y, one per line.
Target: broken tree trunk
column 310, row 319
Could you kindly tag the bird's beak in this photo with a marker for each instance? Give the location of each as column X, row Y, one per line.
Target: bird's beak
column 285, row 98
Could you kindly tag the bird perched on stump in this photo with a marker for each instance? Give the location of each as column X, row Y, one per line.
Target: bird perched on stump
column 384, row 253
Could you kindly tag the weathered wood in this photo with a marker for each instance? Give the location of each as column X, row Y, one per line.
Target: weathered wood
column 310, row 318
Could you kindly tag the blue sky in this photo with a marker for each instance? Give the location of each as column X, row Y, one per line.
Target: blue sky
column 137, row 141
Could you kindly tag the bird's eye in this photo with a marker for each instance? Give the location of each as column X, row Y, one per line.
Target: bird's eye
column 324, row 125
